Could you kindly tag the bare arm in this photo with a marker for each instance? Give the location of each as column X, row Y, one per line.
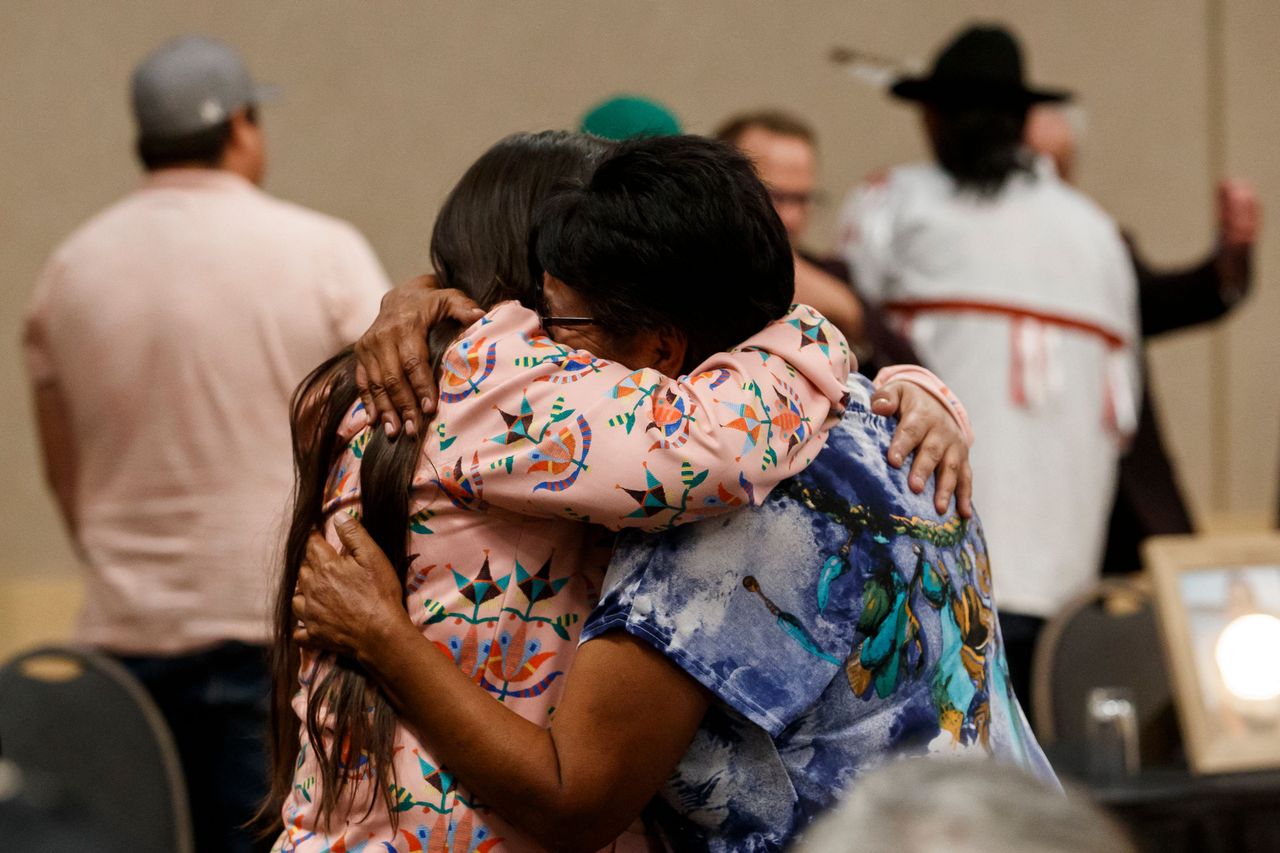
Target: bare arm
column 627, row 714
column 59, row 450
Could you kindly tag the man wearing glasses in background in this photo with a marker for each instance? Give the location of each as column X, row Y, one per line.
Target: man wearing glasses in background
column 783, row 148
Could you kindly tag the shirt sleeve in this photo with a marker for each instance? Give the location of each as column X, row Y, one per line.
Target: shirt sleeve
column 733, row 605
column 559, row 432
column 355, row 287
column 929, row 381
column 1125, row 367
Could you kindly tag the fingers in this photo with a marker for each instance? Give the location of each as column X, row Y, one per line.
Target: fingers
column 397, row 384
column 906, row 438
column 887, row 400
column 366, row 396
column 928, row 456
column 319, row 552
column 447, row 304
column 357, row 542
column 946, row 478
column 301, row 636
column 460, row 307
column 377, row 402
column 418, row 397
column 964, row 491
column 410, row 358
column 391, row 390
column 299, row 607
column 1238, row 213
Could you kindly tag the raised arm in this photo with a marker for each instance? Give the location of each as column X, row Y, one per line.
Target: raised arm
column 397, row 386
column 574, row 435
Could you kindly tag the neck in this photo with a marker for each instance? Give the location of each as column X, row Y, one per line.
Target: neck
column 186, row 164
column 240, row 166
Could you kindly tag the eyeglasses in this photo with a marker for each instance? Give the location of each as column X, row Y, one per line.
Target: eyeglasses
column 546, row 318
column 803, row 199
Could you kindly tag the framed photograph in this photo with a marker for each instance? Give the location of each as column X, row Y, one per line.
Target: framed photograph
column 1218, row 599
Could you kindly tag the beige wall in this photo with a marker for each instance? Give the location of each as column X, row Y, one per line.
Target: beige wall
column 385, row 104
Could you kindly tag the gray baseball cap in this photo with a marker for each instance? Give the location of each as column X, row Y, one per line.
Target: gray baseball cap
column 191, row 84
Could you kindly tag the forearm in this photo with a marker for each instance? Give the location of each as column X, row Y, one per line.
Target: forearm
column 622, row 723
column 508, row 762
column 1176, row 299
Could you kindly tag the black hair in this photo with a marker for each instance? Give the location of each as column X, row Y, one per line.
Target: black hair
column 481, row 236
column 479, row 245
column 202, row 148
column 671, row 232
column 980, row 145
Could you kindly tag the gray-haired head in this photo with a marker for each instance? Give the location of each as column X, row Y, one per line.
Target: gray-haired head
column 191, row 84
column 962, row 806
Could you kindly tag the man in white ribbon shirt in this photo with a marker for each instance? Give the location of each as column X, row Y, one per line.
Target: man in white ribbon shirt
column 1019, row 293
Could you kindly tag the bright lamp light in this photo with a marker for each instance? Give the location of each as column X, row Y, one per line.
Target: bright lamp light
column 1248, row 656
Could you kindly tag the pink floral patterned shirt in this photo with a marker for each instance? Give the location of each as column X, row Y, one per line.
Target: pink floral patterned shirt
column 535, row 448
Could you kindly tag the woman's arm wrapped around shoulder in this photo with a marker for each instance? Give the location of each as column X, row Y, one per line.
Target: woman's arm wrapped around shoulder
column 543, row 429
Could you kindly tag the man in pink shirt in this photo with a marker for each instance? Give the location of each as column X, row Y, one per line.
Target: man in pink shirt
column 163, row 343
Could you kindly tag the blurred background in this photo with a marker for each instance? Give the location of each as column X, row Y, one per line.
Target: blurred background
column 384, row 105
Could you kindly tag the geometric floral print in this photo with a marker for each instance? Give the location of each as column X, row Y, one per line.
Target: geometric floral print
column 534, row 450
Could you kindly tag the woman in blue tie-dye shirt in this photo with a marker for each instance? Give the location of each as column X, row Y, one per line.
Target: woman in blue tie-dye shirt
column 780, row 652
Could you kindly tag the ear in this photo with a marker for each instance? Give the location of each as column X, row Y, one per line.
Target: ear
column 669, row 349
column 241, row 127
column 244, row 152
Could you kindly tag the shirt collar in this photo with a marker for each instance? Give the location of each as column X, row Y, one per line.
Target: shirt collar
column 199, row 179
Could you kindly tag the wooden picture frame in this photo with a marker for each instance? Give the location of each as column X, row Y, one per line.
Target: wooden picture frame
column 1204, row 584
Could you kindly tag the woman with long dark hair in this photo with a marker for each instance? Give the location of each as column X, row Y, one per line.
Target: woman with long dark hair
column 532, row 443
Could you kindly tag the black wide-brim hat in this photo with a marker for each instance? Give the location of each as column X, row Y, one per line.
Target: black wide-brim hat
column 982, row 65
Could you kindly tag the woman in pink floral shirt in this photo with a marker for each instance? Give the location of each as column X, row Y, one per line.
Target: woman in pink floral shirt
column 533, row 444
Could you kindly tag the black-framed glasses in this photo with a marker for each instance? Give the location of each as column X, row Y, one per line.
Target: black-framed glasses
column 549, row 320
column 546, row 318
column 803, row 199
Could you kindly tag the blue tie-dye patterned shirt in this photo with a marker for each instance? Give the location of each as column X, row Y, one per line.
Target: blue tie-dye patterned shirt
column 839, row 624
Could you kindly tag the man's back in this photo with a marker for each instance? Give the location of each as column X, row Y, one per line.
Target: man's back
column 176, row 325
column 1025, row 304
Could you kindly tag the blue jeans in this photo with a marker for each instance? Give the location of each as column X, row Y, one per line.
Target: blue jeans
column 216, row 703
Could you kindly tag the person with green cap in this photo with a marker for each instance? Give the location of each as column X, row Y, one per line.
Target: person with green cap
column 629, row 117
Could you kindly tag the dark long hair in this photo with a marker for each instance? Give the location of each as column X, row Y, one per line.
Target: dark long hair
column 980, row 145
column 479, row 245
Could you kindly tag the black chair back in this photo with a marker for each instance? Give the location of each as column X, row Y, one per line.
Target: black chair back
column 1107, row 638
column 81, row 721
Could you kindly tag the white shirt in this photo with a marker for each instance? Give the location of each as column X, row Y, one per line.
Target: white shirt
column 177, row 324
column 1025, row 304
